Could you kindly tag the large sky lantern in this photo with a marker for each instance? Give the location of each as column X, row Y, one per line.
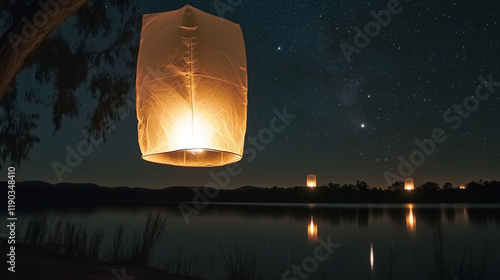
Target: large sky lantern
column 191, row 89
column 409, row 185
column 311, row 180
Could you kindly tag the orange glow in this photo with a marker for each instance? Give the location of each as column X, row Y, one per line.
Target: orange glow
column 411, row 222
column 311, row 180
column 409, row 185
column 372, row 258
column 462, row 187
column 312, row 231
column 463, row 215
column 194, row 151
column 191, row 89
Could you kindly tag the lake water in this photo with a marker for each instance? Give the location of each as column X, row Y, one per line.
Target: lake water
column 282, row 236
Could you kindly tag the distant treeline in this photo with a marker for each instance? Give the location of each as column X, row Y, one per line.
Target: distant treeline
column 33, row 193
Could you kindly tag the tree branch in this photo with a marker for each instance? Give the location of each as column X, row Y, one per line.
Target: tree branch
column 14, row 55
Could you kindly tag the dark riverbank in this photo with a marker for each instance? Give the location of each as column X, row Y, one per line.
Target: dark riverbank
column 31, row 193
column 32, row 263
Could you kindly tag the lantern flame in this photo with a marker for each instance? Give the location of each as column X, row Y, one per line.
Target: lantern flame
column 194, row 151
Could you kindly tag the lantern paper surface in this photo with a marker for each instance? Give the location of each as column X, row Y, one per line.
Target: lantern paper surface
column 409, row 184
column 311, row 180
column 191, row 89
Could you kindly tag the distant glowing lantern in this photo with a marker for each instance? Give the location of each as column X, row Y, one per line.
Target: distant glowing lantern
column 411, row 222
column 312, row 231
column 409, row 184
column 311, row 180
column 462, row 187
column 191, row 89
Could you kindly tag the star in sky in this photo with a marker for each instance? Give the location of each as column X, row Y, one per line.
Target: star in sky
column 401, row 87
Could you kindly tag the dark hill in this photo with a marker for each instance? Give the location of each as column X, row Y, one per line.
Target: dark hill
column 32, row 193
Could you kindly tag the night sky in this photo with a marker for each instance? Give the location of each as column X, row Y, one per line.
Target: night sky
column 352, row 120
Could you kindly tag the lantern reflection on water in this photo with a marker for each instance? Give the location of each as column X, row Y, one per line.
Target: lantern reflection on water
column 372, row 258
column 411, row 222
column 312, row 231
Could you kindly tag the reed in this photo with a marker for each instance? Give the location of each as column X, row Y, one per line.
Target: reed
column 465, row 267
column 239, row 263
column 36, row 230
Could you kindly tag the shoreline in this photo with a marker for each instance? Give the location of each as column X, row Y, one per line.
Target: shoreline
column 47, row 265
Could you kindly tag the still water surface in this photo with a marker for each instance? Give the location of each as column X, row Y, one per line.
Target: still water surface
column 287, row 235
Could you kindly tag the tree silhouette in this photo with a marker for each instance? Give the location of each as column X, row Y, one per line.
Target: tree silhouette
column 483, row 185
column 347, row 187
column 75, row 59
column 333, row 187
column 362, row 186
column 429, row 186
column 447, row 186
column 398, row 185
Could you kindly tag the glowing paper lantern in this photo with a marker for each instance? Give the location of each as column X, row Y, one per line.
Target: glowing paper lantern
column 191, row 89
column 311, row 180
column 409, row 185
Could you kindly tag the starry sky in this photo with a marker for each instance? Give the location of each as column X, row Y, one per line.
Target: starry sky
column 352, row 120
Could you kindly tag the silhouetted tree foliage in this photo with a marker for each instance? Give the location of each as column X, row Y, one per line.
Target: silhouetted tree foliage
column 93, row 53
column 35, row 193
column 447, row 186
column 332, row 186
column 429, row 186
column 347, row 187
column 483, row 185
column 361, row 186
column 398, row 185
